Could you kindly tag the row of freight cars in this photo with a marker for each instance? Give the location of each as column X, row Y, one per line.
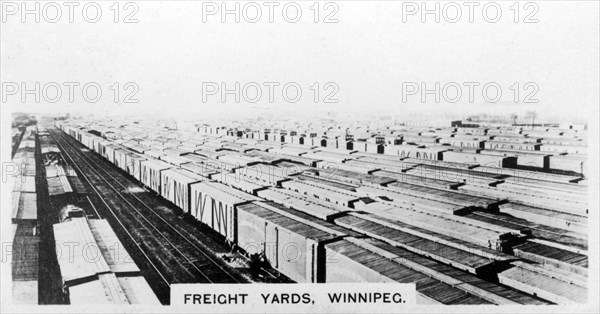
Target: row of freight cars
column 416, row 171
column 287, row 229
column 25, row 237
column 537, row 192
column 460, row 137
column 499, row 156
column 93, row 265
column 178, row 185
column 491, row 156
column 545, row 151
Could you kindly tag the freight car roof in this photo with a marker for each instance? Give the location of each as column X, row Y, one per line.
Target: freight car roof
column 200, row 169
column 386, row 164
column 24, row 183
column 328, row 157
column 73, row 238
column 376, row 157
column 533, row 276
column 301, row 202
column 550, row 252
column 446, row 231
column 295, row 221
column 111, row 248
column 416, row 243
column 451, row 197
column 542, row 233
column 195, row 158
column 404, row 266
column 321, row 180
column 136, row 156
column 264, row 156
column 320, row 190
column 237, row 159
column 174, row 160
column 182, row 175
column 59, row 185
column 223, row 192
column 176, row 151
column 439, row 163
column 289, row 151
column 156, row 164
column 419, row 202
column 414, row 179
column 241, row 181
column 352, row 177
column 206, row 152
column 24, row 206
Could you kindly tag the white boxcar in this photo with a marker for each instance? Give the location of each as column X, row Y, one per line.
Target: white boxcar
column 133, row 162
column 175, row 186
column 291, row 241
column 150, row 173
column 480, row 159
column 496, row 145
column 216, row 204
column 109, row 152
column 569, row 149
column 121, row 158
column 433, row 153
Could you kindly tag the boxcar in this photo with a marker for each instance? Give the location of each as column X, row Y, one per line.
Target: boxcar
column 414, row 152
column 150, row 173
column 216, row 204
column 330, row 194
column 462, row 142
column 528, row 159
column 570, row 149
column 175, row 186
column 312, row 206
column 109, row 152
column 576, row 164
column 121, row 158
column 481, row 159
column 133, row 164
column 497, row 145
column 292, row 242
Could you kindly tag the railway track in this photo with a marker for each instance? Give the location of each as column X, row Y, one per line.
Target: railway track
column 170, row 249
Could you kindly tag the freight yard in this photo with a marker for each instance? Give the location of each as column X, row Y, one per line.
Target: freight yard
column 473, row 214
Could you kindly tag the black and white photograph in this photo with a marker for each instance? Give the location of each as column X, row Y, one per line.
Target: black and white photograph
column 306, row 156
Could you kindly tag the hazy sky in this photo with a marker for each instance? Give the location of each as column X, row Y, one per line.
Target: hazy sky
column 367, row 55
